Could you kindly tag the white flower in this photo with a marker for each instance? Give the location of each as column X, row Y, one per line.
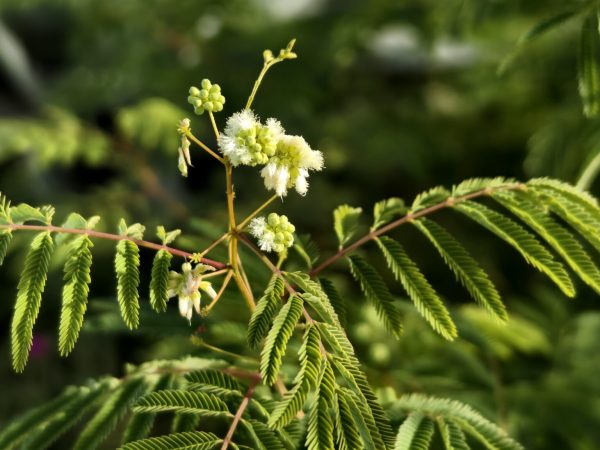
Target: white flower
column 187, row 286
column 289, row 166
column 246, row 141
column 274, row 234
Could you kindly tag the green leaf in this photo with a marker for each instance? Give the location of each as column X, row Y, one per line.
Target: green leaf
column 5, row 240
column 452, row 436
column 352, row 430
column 522, row 240
column 320, row 423
column 159, row 283
column 263, row 315
column 555, row 235
column 25, row 213
column 167, row 237
column 278, row 338
column 466, row 269
column 75, row 293
column 415, row 433
column 215, row 382
column 387, row 210
column 336, row 300
column 50, row 419
column 173, row 400
column 429, row 198
column 345, row 222
column 109, row 415
column 193, row 440
column 135, row 231
column 486, row 432
column 474, row 185
column 127, row 261
column 140, row 424
column 29, row 298
column 377, row 293
column 307, row 249
column 589, row 66
column 428, row 303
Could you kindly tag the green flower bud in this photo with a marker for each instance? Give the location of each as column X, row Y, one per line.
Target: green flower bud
column 206, row 84
column 194, row 91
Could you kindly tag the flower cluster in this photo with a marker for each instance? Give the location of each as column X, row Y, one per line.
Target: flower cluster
column 187, row 285
column 286, row 159
column 248, row 142
column 274, row 234
column 208, row 98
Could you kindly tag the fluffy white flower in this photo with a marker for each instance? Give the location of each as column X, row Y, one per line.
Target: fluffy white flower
column 274, row 234
column 289, row 167
column 246, row 141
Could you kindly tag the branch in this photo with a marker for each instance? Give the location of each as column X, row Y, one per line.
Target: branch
column 239, row 413
column 112, row 237
column 408, row 218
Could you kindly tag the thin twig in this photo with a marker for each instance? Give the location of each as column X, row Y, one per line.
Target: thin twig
column 218, row 296
column 204, row 147
column 238, row 414
column 247, row 220
column 112, row 237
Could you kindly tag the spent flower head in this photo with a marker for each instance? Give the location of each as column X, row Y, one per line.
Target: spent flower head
column 274, row 234
column 187, row 286
column 248, row 142
column 288, row 167
column 207, row 98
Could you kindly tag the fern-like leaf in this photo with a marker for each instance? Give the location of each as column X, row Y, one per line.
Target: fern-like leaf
column 589, row 66
column 29, row 297
column 427, row 301
column 466, row 269
column 5, row 239
column 345, row 220
column 127, row 261
column 212, row 381
column 109, row 415
column 278, row 337
column 310, row 362
column 195, row 440
column 320, row 424
column 522, row 240
column 377, row 293
column 336, row 300
column 415, row 433
column 263, row 315
column 452, row 436
column 486, row 432
column 140, row 424
column 182, row 401
column 75, row 293
column 352, row 430
column 160, row 280
column 555, row 235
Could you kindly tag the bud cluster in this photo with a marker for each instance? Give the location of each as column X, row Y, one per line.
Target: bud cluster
column 208, row 98
column 274, row 234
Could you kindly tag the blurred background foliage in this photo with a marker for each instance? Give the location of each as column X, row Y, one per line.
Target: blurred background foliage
column 400, row 97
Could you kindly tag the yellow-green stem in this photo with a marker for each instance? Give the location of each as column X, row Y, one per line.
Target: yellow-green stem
column 214, row 124
column 205, row 147
column 247, row 220
column 264, row 70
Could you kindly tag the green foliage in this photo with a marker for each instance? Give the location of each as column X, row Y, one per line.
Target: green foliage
column 320, row 424
column 466, row 269
column 589, row 65
column 387, row 210
column 196, row 440
column 278, row 338
column 160, row 280
column 265, row 311
column 345, row 222
column 75, row 293
column 29, row 298
column 127, row 261
column 418, row 288
column 448, row 413
column 377, row 293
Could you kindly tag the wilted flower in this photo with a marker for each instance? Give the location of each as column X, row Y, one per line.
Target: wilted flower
column 248, row 142
column 187, row 286
column 289, row 166
column 275, row 233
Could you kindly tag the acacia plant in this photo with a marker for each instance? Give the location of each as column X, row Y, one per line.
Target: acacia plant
column 323, row 399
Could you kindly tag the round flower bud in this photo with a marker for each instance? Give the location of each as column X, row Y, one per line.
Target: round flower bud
column 208, row 98
column 206, row 84
column 194, row 91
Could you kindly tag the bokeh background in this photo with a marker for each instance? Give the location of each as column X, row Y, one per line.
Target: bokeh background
column 399, row 96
